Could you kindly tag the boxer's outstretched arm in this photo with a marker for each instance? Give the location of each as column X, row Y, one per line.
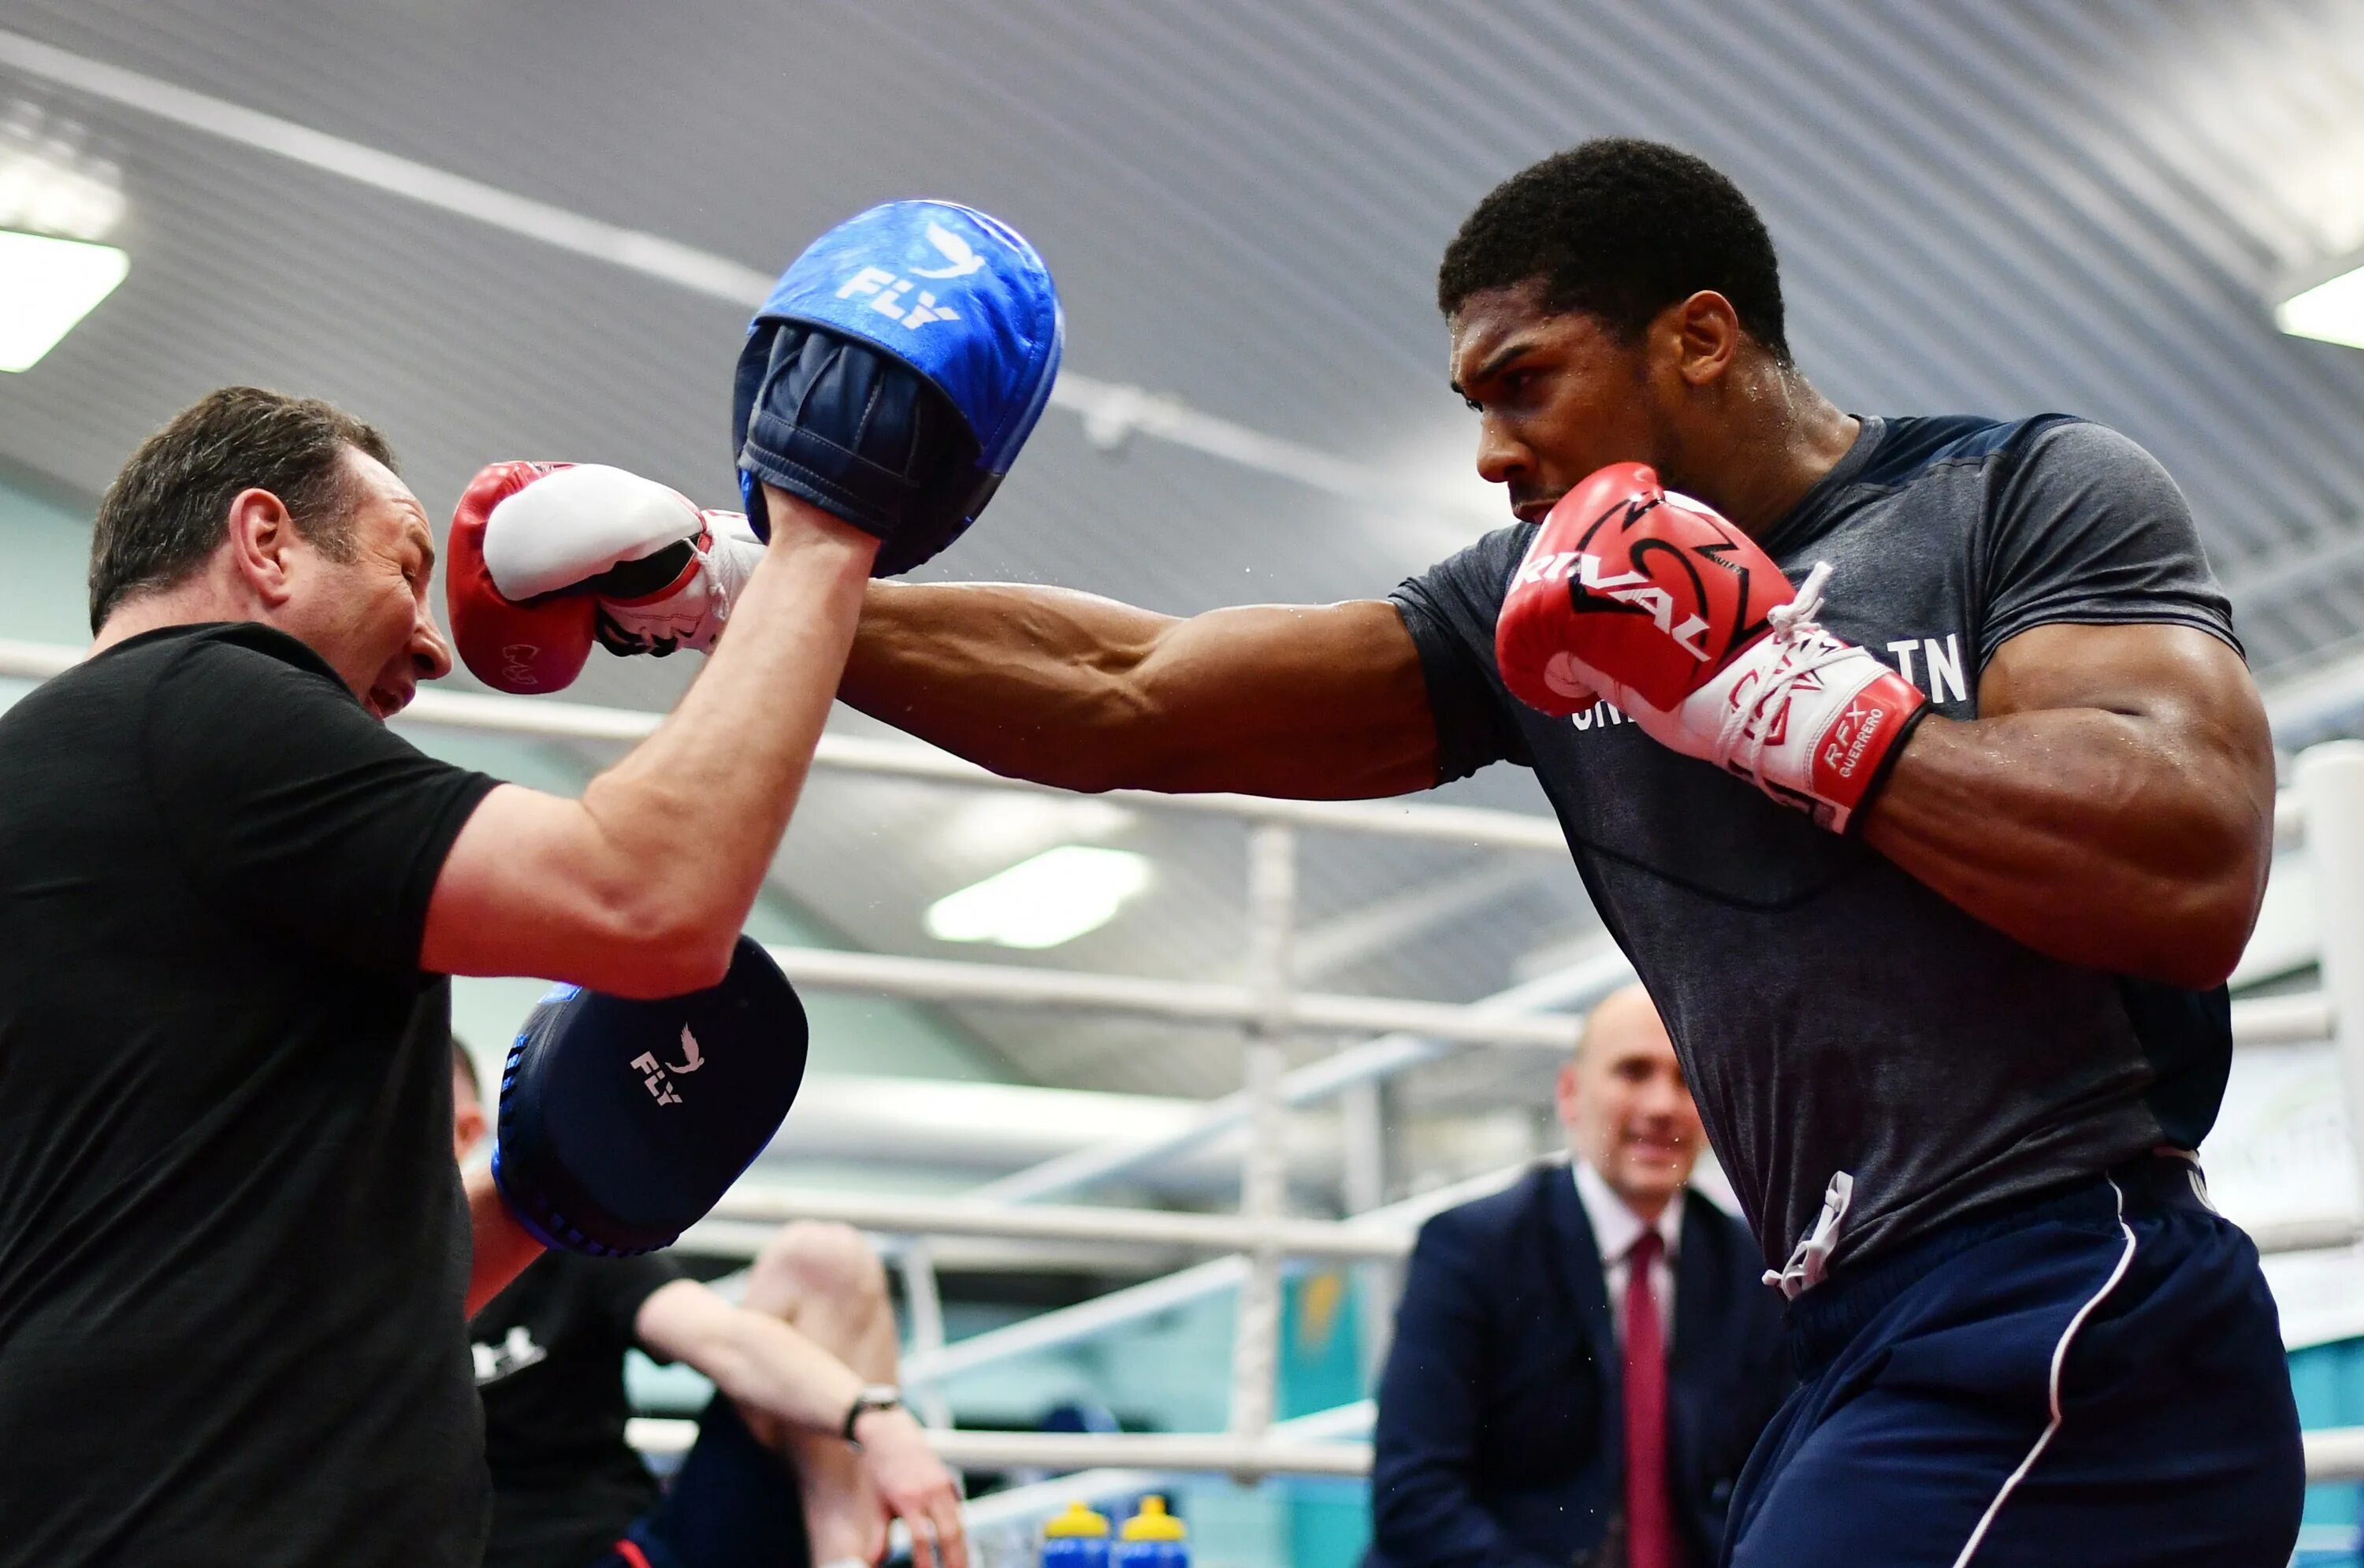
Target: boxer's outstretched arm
column 641, row 888
column 1310, row 702
column 2112, row 805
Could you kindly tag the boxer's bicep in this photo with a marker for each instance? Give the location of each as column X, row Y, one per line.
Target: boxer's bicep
column 2111, row 804
column 2175, row 675
column 2181, row 696
column 532, row 887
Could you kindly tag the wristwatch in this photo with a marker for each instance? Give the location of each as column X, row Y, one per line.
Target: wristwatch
column 874, row 1396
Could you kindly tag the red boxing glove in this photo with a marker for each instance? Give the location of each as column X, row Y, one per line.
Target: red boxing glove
column 1655, row 603
column 547, row 557
column 537, row 644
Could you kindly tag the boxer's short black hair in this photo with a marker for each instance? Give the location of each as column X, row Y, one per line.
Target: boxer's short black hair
column 1618, row 230
column 168, row 509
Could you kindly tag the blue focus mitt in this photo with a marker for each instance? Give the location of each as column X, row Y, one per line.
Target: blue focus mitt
column 622, row 1122
column 893, row 374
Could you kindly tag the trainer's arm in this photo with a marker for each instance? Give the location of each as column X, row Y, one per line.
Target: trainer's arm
column 2112, row 805
column 766, row 1365
column 641, row 888
column 502, row 1247
column 755, row 1359
column 1312, row 702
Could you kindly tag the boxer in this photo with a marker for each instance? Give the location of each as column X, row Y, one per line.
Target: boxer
column 1915, row 764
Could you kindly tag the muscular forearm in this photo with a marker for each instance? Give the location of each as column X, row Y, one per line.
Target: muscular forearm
column 2102, row 837
column 1303, row 701
column 501, row 1247
column 1032, row 683
column 694, row 814
column 642, row 886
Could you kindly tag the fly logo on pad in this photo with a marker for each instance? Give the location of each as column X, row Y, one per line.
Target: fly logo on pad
column 900, row 299
column 658, row 1077
column 891, row 297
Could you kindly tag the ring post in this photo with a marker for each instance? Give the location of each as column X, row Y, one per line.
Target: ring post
column 2331, row 793
column 1264, row 1170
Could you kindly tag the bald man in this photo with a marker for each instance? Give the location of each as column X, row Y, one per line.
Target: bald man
column 1583, row 1361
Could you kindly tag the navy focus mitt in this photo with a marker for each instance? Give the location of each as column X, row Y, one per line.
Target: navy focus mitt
column 623, row 1122
column 893, row 373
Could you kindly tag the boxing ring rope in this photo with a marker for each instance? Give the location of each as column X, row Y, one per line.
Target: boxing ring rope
column 2325, row 810
column 2333, row 1455
column 1176, row 1001
column 1345, row 1241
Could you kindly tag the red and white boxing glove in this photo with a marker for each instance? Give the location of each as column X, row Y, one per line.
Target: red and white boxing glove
column 1652, row 601
column 549, row 557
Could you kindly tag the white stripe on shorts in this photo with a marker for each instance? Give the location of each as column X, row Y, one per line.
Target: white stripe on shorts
column 2059, row 1355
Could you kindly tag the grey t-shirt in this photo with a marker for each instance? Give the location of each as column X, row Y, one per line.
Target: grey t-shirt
column 1833, row 1013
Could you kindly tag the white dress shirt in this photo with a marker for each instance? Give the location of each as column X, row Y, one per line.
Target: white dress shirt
column 1615, row 1229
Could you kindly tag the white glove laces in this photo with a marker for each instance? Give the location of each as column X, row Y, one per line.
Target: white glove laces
column 718, row 590
column 1811, row 1258
column 1754, row 715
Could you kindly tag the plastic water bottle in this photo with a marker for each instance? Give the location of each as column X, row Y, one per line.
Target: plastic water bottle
column 1077, row 1539
column 1152, row 1539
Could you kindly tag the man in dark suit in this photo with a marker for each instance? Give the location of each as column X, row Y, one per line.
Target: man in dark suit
column 1582, row 1362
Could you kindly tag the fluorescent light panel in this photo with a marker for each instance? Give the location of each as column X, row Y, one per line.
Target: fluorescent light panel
column 47, row 285
column 2332, row 311
column 1040, row 903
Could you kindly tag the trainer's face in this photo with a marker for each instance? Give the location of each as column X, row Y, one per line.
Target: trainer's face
column 1629, row 1114
column 1558, row 396
column 368, row 616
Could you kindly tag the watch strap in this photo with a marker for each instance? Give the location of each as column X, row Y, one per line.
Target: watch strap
column 874, row 1396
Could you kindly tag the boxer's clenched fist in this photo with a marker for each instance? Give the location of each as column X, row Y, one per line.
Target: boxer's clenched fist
column 1655, row 603
column 547, row 557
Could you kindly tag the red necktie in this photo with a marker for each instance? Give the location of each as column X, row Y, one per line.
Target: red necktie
column 1649, row 1510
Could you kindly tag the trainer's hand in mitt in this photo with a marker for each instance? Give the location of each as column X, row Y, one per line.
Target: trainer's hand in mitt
column 1652, row 601
column 623, row 1122
column 893, row 373
column 546, row 557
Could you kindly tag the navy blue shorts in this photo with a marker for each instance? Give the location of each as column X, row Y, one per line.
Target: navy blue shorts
column 2093, row 1378
column 733, row 1504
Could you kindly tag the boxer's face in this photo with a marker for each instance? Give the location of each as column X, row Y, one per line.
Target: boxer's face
column 1559, row 397
column 367, row 615
column 1628, row 1112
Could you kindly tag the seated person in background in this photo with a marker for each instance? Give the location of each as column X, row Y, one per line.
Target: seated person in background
column 1582, row 1362
column 802, row 1457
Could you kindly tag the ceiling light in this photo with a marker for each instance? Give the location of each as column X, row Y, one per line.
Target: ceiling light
column 49, row 185
column 1040, row 903
column 999, row 826
column 46, row 285
column 2332, row 310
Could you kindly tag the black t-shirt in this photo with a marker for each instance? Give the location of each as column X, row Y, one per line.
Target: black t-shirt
column 550, row 1366
column 233, row 1246
column 1833, row 1014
